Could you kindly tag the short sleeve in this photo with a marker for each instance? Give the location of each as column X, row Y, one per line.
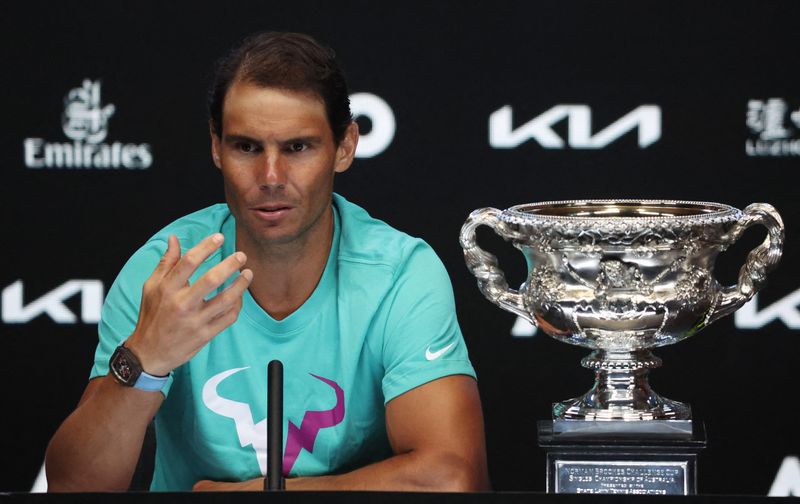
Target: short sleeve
column 422, row 341
column 121, row 307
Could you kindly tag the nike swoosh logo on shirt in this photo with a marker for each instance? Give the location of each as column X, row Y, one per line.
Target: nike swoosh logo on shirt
column 438, row 353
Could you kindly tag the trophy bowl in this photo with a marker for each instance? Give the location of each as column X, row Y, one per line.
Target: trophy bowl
column 622, row 277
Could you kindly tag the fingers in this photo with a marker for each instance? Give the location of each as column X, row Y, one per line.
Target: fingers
column 226, row 304
column 174, row 319
column 216, row 276
column 179, row 275
column 170, row 257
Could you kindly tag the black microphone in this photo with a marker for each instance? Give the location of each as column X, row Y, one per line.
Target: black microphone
column 274, row 479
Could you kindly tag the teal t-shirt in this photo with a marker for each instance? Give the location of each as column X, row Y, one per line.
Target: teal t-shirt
column 380, row 322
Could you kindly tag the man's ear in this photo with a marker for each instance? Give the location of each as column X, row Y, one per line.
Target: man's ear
column 347, row 148
column 215, row 146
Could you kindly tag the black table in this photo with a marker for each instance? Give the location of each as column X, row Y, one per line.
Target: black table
column 371, row 497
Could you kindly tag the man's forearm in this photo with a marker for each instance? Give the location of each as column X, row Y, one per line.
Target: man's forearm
column 98, row 445
column 413, row 471
column 410, row 472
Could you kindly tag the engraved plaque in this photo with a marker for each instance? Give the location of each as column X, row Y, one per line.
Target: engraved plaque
column 621, row 477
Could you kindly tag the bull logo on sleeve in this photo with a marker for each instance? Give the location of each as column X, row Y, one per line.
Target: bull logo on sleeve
column 254, row 434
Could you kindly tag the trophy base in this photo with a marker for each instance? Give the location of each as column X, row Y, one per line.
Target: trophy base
column 621, row 457
column 622, row 393
column 650, row 408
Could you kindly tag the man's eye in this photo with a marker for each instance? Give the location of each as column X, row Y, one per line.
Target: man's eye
column 246, row 147
column 297, row 147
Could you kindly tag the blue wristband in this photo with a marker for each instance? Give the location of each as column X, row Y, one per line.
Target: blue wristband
column 150, row 383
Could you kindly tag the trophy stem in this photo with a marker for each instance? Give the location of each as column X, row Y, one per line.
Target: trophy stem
column 621, row 391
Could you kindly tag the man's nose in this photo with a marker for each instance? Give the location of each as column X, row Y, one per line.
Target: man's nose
column 273, row 170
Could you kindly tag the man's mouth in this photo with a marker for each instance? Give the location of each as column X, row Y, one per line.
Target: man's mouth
column 273, row 208
column 272, row 212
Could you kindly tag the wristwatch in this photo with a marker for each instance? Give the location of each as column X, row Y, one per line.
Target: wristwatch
column 127, row 370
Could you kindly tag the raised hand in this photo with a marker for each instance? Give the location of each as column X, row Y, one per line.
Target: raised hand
column 175, row 319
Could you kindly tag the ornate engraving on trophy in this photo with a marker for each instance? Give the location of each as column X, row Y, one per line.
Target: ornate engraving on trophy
column 545, row 287
column 692, row 286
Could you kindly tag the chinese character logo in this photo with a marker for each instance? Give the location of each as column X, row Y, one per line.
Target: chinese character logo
column 84, row 119
column 774, row 126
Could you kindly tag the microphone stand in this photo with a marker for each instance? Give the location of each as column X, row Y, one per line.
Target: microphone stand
column 274, row 479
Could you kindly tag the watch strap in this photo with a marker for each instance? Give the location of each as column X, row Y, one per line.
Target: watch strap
column 150, row 383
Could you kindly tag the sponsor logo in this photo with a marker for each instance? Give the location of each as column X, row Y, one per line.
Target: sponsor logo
column 773, row 127
column 787, row 481
column 381, row 118
column 502, row 134
column 15, row 311
column 85, row 124
column 254, row 434
column 438, row 353
column 750, row 316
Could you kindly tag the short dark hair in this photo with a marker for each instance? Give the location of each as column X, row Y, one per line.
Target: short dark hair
column 291, row 61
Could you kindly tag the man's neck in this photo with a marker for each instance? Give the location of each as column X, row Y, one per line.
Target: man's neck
column 285, row 275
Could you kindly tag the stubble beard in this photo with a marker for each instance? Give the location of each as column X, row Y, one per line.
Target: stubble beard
column 294, row 244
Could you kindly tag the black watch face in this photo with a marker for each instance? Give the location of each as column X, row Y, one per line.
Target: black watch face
column 123, row 368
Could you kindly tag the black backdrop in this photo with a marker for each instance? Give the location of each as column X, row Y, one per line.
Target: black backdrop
column 716, row 77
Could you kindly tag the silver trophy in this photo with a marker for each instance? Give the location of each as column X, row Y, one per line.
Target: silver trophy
column 622, row 277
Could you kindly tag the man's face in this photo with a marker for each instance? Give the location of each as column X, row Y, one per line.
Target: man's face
column 278, row 160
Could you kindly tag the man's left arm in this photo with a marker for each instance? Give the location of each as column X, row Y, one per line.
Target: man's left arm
column 436, row 433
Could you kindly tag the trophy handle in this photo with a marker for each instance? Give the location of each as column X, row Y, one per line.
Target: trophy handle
column 483, row 265
column 761, row 259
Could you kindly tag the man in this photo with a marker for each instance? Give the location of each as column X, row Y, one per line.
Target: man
column 379, row 391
